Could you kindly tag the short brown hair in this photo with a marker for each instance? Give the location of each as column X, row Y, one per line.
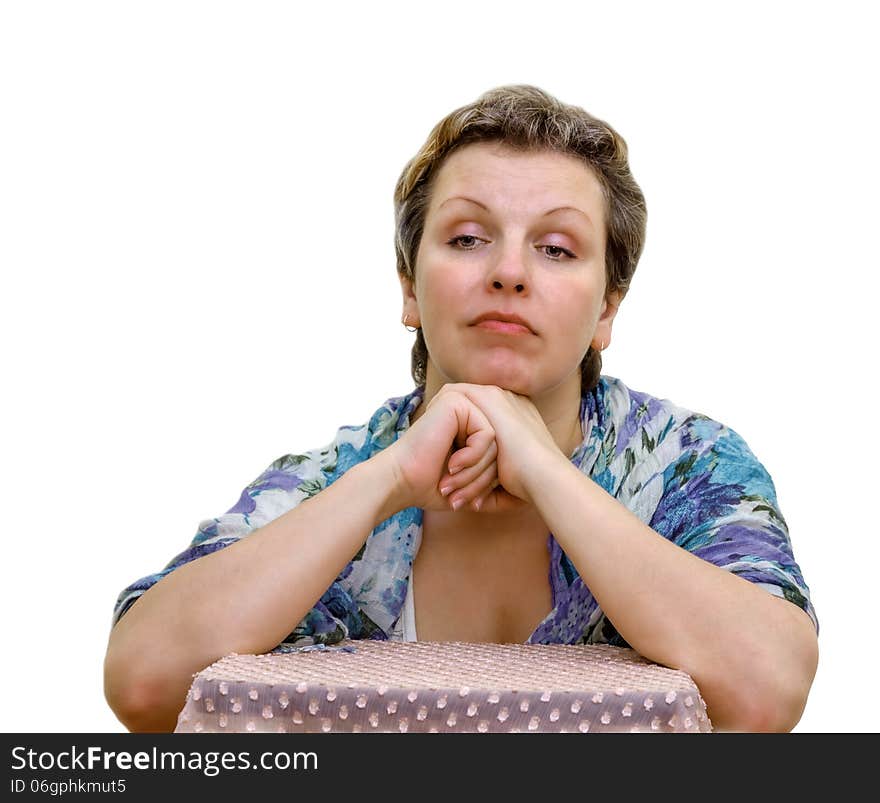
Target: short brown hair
column 526, row 118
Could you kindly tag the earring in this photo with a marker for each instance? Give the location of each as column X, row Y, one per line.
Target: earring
column 414, row 328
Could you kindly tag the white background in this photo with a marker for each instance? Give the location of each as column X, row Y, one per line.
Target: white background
column 196, row 240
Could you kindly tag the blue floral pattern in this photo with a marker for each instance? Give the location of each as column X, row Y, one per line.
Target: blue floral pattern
column 690, row 478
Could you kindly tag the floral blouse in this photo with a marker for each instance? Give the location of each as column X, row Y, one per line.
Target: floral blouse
column 690, row 478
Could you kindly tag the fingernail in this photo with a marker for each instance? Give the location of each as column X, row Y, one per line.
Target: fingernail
column 445, row 490
column 454, row 470
column 478, row 503
column 457, row 504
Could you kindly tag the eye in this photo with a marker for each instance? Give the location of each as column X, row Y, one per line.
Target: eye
column 556, row 251
column 467, row 242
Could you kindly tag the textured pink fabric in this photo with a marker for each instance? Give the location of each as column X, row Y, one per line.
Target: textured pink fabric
column 382, row 686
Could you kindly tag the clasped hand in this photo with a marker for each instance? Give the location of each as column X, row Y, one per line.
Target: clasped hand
column 476, row 445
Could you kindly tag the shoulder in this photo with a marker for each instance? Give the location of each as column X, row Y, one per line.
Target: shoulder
column 635, row 419
column 643, row 435
column 630, row 411
column 352, row 444
column 356, row 443
column 297, row 476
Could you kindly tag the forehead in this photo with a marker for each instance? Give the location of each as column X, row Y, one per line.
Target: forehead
column 501, row 174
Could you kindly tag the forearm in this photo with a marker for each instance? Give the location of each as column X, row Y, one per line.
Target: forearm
column 244, row 598
column 752, row 655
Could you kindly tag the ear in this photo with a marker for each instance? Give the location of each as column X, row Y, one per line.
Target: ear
column 606, row 319
column 410, row 304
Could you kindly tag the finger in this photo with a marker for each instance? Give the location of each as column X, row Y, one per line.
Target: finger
column 480, row 436
column 500, row 501
column 473, row 456
column 473, row 479
column 478, row 503
column 470, row 467
column 478, row 487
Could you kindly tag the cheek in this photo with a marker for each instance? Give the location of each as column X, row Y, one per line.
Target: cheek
column 577, row 303
column 577, row 316
column 441, row 292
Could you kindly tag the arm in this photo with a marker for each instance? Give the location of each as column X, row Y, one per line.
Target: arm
column 243, row 598
column 752, row 655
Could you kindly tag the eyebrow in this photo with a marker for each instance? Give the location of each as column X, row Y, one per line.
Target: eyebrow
column 546, row 214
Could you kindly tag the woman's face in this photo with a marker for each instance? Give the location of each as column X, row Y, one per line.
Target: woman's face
column 516, row 233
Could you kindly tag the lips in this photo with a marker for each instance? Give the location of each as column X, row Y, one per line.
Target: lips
column 500, row 317
column 505, row 327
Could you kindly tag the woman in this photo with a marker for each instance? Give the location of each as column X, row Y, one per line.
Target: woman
column 516, row 494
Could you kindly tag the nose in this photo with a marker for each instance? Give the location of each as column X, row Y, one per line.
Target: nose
column 509, row 270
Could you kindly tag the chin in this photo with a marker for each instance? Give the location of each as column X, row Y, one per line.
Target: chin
column 504, row 380
column 503, row 374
